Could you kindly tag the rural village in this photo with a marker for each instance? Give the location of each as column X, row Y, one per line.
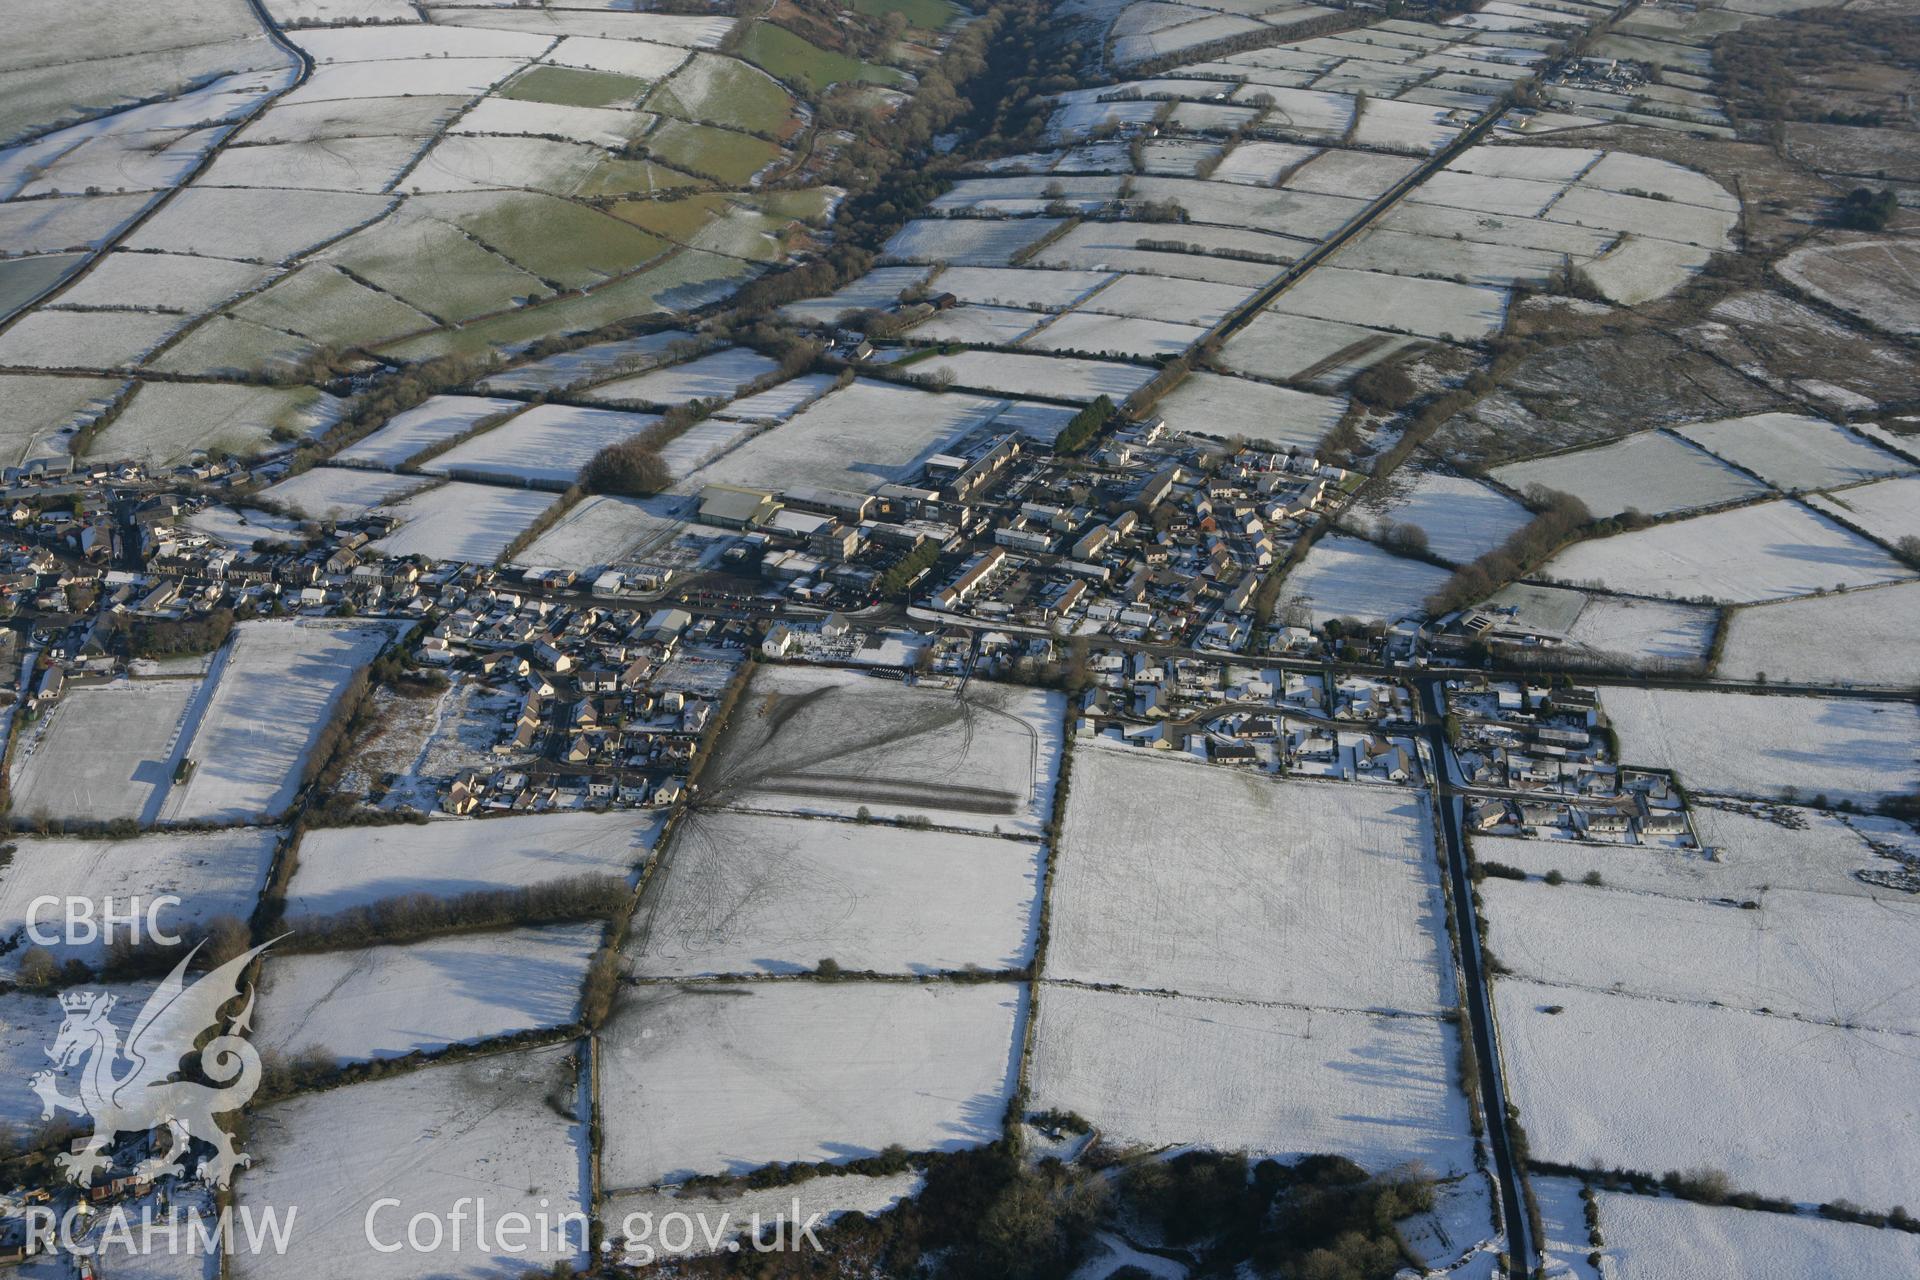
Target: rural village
column 1072, row 641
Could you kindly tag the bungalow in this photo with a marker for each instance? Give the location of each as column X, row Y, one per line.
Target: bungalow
column 1487, row 815
column 1233, row 753
column 1607, row 822
column 1536, row 816
column 1664, row 822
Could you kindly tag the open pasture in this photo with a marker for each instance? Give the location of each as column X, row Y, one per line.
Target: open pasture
column 546, row 446
column 212, row 873
column 1650, row 471
column 1347, row 577
column 1765, row 551
column 852, row 439
column 422, row 427
column 273, row 693
column 1770, row 746
column 458, row 521
column 1297, row 893
column 506, row 1128
column 836, row 742
column 339, row 493
column 1607, row 1079
column 1792, row 451
column 1146, row 1070
column 389, row 1001
column 756, row 893
column 346, row 867
column 1461, row 518
column 1211, row 404
column 861, row 1065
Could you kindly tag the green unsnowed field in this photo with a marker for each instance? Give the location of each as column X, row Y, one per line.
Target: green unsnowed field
column 712, row 89
column 927, row 15
column 785, row 55
column 730, row 157
column 550, row 237
column 685, row 281
column 569, row 87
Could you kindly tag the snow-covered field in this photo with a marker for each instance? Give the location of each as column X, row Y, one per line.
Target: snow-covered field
column 1462, row 518
column 778, row 403
column 1277, row 417
column 1264, row 1079
column 1859, row 637
column 505, row 1128
column 340, row 493
column 463, row 77
column 1178, row 876
column 1260, row 163
column 586, row 364
column 701, row 443
column 755, row 893
column 45, row 409
column 387, row 1002
column 341, row 867
column 978, row 326
column 272, row 695
column 1640, row 269
column 603, row 530
column 1021, row 287
column 1156, row 297
column 863, row 435
column 965, row 242
column 1115, row 335
column 261, row 225
column 1756, row 849
column 1115, row 247
column 241, row 527
column 1870, row 278
column 104, row 751
column 1760, row 552
column 85, row 339
column 547, row 445
column 1055, row 377
column 725, row 1078
column 719, row 375
column 458, row 521
column 1785, row 1108
column 601, row 127
column 1347, row 577
column 1321, row 353
column 1792, row 451
column 1564, row 1242
column 1887, row 509
column 1655, row 1238
column 29, row 1025
column 404, row 435
column 1801, row 953
column 1642, row 629
column 1769, row 745
column 835, row 742
column 1400, row 304
column 213, row 873
column 880, row 287
column 1404, row 253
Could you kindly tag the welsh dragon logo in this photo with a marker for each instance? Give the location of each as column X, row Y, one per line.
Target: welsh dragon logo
column 146, row 1094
